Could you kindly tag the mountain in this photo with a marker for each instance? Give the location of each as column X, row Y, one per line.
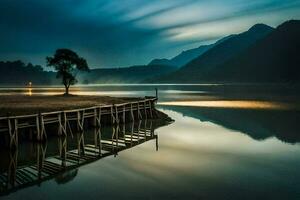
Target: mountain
column 133, row 74
column 162, row 61
column 197, row 69
column 186, row 56
column 273, row 59
column 183, row 58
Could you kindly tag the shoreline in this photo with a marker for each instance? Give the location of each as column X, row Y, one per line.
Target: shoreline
column 65, row 118
column 14, row 105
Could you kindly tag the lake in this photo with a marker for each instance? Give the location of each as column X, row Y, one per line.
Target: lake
column 226, row 142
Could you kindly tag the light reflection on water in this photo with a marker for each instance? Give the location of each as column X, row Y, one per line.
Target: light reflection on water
column 237, row 104
column 91, row 91
column 216, row 149
column 196, row 160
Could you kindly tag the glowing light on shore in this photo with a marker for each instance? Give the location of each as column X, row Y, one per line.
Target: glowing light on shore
column 237, row 104
column 29, row 88
column 29, row 91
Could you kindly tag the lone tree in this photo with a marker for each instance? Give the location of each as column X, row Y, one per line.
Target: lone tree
column 67, row 64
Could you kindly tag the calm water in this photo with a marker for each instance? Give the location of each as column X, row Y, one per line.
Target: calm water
column 238, row 146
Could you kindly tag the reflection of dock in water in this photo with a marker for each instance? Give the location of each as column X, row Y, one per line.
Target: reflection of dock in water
column 87, row 149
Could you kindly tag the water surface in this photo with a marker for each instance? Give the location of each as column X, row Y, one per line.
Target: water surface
column 213, row 151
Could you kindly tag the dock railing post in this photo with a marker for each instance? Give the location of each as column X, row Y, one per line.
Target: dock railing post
column 37, row 121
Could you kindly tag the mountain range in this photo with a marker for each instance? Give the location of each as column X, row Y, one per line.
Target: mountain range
column 183, row 58
column 261, row 54
column 186, row 56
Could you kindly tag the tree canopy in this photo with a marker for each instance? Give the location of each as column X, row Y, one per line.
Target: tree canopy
column 67, row 64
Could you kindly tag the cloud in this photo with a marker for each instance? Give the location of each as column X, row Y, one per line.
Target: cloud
column 114, row 33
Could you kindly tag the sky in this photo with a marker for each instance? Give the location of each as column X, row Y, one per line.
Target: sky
column 119, row 33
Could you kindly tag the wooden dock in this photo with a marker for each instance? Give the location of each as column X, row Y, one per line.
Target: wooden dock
column 112, row 114
column 46, row 167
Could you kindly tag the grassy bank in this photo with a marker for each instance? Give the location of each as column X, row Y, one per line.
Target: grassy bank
column 21, row 104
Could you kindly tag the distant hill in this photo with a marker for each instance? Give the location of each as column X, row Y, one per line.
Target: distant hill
column 186, row 56
column 273, row 59
column 19, row 73
column 162, row 61
column 132, row 74
column 198, row 69
column 183, row 58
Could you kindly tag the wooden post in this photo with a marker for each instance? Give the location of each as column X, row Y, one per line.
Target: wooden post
column 97, row 138
column 63, row 150
column 156, row 93
column 65, row 120
column 9, row 132
column 99, row 117
column 145, row 110
column 150, row 109
column 124, row 113
column 12, row 168
column 59, row 124
column 131, row 134
column 139, row 130
column 43, row 130
column 114, row 133
column 112, row 114
column 13, row 132
column 80, row 147
column 138, row 110
column 145, row 128
column 95, row 121
column 124, row 131
column 131, row 112
column 80, row 120
column 16, row 136
column 117, row 136
column 100, row 144
column 117, row 115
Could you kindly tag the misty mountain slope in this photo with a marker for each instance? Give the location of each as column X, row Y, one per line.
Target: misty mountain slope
column 134, row 74
column 186, row 56
column 182, row 58
column 162, row 61
column 217, row 55
column 273, row 59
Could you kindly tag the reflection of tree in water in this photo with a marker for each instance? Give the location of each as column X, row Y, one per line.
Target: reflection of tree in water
column 66, row 176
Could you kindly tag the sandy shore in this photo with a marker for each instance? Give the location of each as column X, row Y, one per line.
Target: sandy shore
column 21, row 104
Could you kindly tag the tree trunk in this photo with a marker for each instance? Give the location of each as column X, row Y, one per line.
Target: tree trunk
column 66, row 90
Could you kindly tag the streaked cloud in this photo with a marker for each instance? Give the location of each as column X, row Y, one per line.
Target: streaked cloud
column 114, row 33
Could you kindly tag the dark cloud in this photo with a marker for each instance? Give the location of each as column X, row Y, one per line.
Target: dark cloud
column 108, row 32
